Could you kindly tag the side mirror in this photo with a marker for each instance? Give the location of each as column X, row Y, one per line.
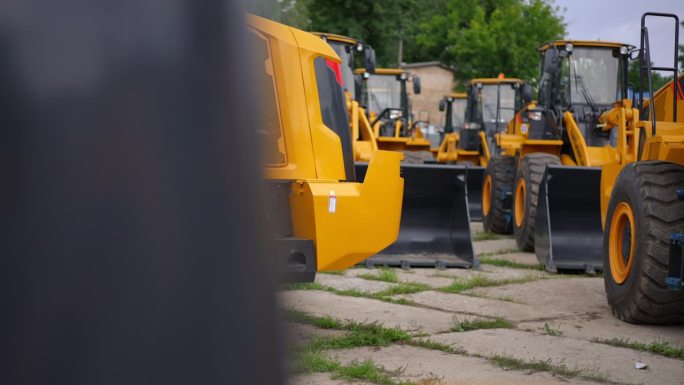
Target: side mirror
column 416, row 85
column 526, row 93
column 369, row 59
column 442, row 105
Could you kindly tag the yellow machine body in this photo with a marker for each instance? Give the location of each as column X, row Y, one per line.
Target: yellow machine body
column 363, row 140
column 397, row 140
column 642, row 215
column 345, row 221
column 666, row 145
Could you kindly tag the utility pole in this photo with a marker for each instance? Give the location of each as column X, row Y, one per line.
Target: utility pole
column 400, row 51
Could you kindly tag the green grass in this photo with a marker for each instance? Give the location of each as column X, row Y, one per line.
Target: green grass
column 384, row 295
column 384, row 274
column 358, row 334
column 485, row 236
column 662, row 348
column 506, row 263
column 475, row 324
column 551, row 331
column 312, row 360
column 366, row 371
column 513, row 363
column 325, row 322
column 334, row 272
column 304, row 286
column 427, row 343
column 499, row 252
column 361, row 334
column 460, row 284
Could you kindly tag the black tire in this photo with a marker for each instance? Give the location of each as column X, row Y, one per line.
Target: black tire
column 418, row 157
column 649, row 189
column 501, row 171
column 531, row 170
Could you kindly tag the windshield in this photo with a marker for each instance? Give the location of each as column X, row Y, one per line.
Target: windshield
column 383, row 91
column 488, row 99
column 345, row 53
column 593, row 75
column 458, row 107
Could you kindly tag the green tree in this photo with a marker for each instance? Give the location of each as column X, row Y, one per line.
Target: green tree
column 487, row 37
column 290, row 12
column 379, row 23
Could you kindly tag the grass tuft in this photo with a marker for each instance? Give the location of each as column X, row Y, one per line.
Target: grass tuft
column 427, row 343
column 485, row 236
column 551, row 331
column 384, row 274
column 334, row 272
column 513, row 363
column 461, row 284
column 372, row 334
column 325, row 322
column 476, row 324
column 499, row 252
column 365, row 370
column 304, row 286
column 314, row 361
column 506, row 263
column 662, row 348
column 384, row 295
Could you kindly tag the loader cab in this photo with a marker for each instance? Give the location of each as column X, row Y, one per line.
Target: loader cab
column 385, row 96
column 584, row 78
column 351, row 51
column 491, row 104
column 454, row 107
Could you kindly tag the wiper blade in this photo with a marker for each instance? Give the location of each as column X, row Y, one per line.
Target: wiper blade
column 583, row 88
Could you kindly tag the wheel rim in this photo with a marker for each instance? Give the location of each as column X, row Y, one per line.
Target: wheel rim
column 622, row 240
column 520, row 190
column 487, row 194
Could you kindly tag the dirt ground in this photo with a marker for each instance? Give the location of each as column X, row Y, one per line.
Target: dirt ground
column 500, row 324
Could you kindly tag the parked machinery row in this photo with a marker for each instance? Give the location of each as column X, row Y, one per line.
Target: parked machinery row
column 541, row 169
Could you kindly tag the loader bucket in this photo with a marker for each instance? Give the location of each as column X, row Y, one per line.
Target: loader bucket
column 435, row 229
column 568, row 234
column 474, row 184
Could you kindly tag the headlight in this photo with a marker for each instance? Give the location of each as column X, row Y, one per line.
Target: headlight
column 623, row 50
column 403, row 76
column 359, row 47
column 534, row 115
column 366, row 75
column 394, row 114
column 471, row 126
column 569, row 47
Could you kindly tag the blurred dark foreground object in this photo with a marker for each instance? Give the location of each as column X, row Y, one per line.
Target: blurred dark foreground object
column 129, row 251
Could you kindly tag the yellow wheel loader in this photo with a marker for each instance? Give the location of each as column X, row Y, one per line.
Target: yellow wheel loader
column 491, row 102
column 364, row 143
column 552, row 153
column 435, row 228
column 642, row 199
column 331, row 221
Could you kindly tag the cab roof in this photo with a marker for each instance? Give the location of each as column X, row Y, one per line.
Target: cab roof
column 583, row 43
column 338, row 38
column 456, row 95
column 382, row 71
column 495, row 80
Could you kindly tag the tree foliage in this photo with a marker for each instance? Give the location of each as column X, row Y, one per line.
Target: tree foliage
column 487, row 37
column 479, row 38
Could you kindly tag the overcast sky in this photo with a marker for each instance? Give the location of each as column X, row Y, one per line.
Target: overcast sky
column 620, row 21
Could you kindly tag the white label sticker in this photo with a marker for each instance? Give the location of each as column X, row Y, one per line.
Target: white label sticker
column 523, row 128
column 332, row 202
